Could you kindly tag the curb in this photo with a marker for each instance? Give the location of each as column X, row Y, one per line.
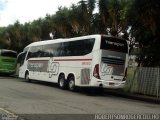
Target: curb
column 135, row 96
column 7, row 115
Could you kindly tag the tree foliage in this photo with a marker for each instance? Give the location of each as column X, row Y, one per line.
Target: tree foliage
column 145, row 22
column 138, row 20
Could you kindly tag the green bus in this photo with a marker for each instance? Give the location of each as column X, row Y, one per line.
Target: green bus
column 8, row 61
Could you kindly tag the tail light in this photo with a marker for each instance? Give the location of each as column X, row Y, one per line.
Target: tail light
column 96, row 71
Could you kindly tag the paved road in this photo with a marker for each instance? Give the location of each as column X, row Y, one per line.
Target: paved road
column 21, row 97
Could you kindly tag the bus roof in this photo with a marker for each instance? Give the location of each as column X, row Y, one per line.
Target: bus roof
column 6, row 50
column 65, row 40
column 59, row 40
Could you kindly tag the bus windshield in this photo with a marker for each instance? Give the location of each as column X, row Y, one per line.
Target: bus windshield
column 114, row 44
column 6, row 53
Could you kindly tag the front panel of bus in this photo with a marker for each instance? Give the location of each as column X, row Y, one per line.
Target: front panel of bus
column 7, row 61
column 22, row 63
column 111, row 69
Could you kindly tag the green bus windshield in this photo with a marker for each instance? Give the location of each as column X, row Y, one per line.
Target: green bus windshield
column 7, row 53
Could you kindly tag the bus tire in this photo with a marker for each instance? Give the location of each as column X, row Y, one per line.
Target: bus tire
column 62, row 81
column 71, row 83
column 27, row 77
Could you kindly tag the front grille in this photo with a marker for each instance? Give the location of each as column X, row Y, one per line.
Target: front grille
column 113, row 61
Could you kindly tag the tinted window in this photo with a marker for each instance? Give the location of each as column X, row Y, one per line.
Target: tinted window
column 35, row 51
column 8, row 54
column 72, row 48
column 77, row 48
column 21, row 58
column 56, row 49
column 51, row 50
column 47, row 51
column 114, row 44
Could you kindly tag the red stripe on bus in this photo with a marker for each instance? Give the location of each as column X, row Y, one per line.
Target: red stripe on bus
column 38, row 60
column 73, row 60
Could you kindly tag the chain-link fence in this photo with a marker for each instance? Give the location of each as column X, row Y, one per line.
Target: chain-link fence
column 143, row 80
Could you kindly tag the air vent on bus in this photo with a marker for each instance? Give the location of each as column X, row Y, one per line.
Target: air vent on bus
column 114, row 61
column 85, row 76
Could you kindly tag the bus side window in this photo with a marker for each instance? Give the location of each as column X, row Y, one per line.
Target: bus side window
column 47, row 51
column 39, row 53
column 21, row 58
column 28, row 55
column 56, row 49
column 65, row 49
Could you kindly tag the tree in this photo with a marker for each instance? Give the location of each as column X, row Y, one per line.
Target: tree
column 113, row 15
column 61, row 23
column 138, row 20
column 14, row 35
column 4, row 39
column 104, row 15
column 47, row 27
column 145, row 24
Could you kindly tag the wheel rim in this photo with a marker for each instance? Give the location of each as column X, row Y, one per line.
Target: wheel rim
column 71, row 85
column 61, row 82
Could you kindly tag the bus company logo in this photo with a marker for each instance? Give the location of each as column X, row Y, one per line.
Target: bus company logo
column 114, row 43
column 53, row 68
column 106, row 70
column 37, row 65
column 86, row 63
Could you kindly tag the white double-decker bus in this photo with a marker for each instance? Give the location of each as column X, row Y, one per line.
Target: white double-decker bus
column 87, row 61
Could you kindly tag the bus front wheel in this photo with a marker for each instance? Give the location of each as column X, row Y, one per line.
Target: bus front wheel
column 27, row 77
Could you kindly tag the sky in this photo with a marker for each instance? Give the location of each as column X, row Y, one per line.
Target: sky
column 29, row 10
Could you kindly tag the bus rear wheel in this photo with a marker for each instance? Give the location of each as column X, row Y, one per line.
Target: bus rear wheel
column 71, row 83
column 62, row 82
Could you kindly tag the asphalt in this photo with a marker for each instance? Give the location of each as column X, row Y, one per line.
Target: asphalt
column 120, row 93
